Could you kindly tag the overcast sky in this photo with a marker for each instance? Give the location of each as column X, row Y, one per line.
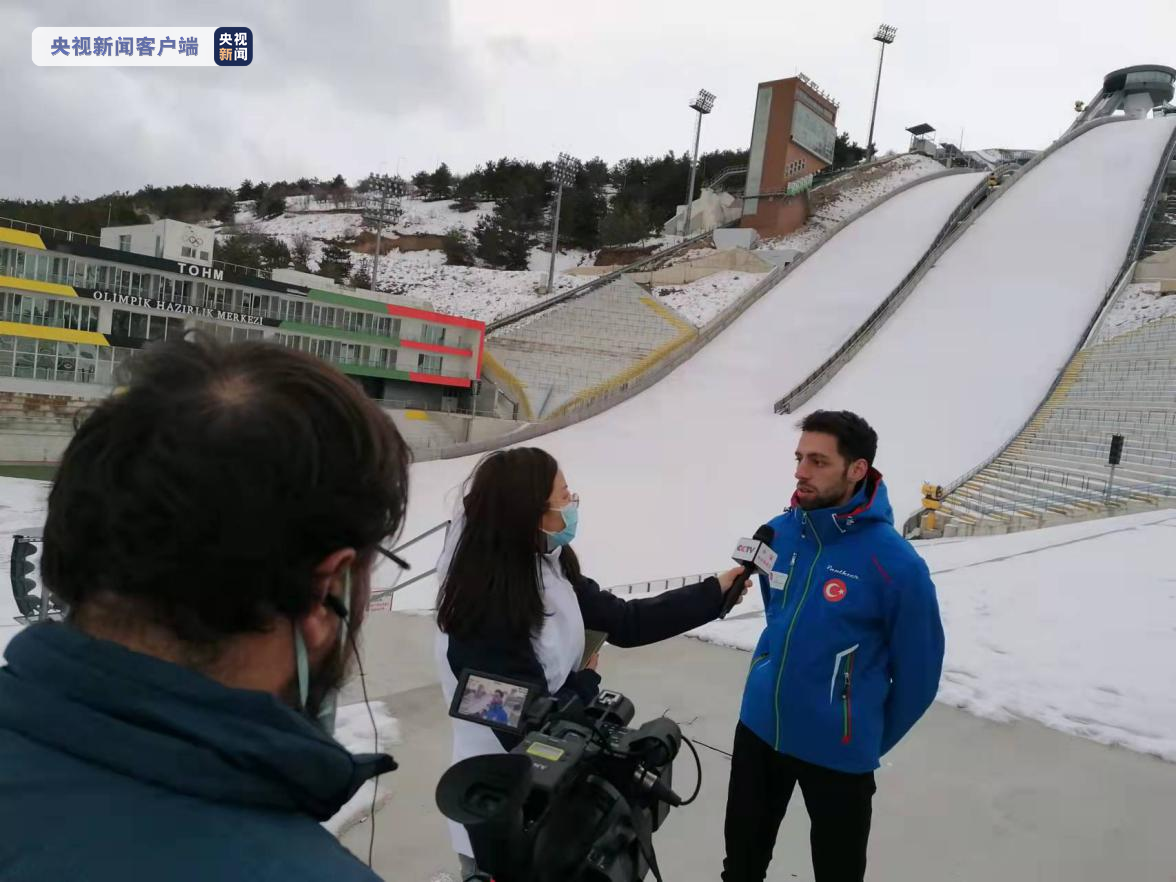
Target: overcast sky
column 354, row 86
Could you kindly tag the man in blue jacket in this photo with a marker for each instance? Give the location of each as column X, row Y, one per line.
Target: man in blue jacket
column 211, row 530
column 849, row 659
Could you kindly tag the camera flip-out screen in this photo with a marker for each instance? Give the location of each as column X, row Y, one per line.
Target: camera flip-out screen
column 491, row 700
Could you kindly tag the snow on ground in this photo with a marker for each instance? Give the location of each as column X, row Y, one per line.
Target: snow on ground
column 473, row 292
column 317, row 225
column 564, row 260
column 246, row 212
column 899, row 172
column 701, row 301
column 1070, row 626
column 438, row 217
column 1140, row 303
column 22, row 504
column 323, row 221
column 353, row 729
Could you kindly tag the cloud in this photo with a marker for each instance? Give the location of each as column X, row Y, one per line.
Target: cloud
column 324, row 91
column 387, row 85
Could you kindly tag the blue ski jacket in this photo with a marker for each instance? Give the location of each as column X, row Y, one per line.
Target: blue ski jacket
column 852, row 649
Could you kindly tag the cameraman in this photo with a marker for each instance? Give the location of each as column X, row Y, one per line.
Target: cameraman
column 513, row 601
column 212, row 530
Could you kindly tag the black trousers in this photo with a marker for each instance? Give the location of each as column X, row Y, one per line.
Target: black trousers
column 762, row 782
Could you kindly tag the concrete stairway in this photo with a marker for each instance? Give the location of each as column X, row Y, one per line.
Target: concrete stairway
column 1057, row 471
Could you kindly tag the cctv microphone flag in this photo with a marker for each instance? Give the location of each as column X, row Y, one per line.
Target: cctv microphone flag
column 755, row 554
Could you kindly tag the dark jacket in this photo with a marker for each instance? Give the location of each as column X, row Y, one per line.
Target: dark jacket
column 118, row 766
column 627, row 623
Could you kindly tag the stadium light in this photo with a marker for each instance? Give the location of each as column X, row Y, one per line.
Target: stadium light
column 388, row 188
column 884, row 37
column 563, row 174
column 704, row 104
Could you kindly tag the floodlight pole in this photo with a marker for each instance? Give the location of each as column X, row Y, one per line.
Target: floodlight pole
column 562, row 174
column 702, row 104
column 884, row 37
column 386, row 187
column 554, row 237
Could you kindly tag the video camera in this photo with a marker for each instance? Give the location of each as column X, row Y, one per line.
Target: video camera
column 577, row 799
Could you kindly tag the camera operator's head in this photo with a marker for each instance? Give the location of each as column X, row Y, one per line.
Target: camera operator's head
column 223, row 511
column 517, row 505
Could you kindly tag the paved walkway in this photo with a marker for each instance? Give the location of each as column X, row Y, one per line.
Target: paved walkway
column 960, row 800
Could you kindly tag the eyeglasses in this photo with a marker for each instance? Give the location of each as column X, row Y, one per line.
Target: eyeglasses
column 395, row 558
column 574, row 503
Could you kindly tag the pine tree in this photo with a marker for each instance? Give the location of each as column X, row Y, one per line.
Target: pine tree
column 625, row 224
column 846, row 152
column 361, row 277
column 580, row 216
column 465, row 194
column 300, row 252
column 459, row 247
column 504, row 240
column 271, row 205
column 441, row 182
column 272, row 253
column 335, row 262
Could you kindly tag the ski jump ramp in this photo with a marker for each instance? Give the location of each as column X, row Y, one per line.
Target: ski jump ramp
column 671, row 477
column 976, row 346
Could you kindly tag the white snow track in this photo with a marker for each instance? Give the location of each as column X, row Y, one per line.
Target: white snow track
column 672, row 476
column 972, row 352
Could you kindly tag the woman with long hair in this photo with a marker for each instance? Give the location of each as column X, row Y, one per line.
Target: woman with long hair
column 513, row 601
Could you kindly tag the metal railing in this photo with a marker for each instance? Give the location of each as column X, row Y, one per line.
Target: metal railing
column 1151, row 200
column 400, row 586
column 987, row 504
column 455, row 410
column 1094, row 451
column 51, row 232
column 815, row 381
column 654, row 586
column 241, row 270
column 728, row 172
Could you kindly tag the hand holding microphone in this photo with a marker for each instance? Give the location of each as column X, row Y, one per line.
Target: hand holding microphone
column 752, row 555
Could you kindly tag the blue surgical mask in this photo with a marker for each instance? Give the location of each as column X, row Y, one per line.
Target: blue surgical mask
column 325, row 718
column 571, row 518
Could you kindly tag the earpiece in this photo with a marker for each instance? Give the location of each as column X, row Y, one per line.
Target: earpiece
column 335, row 605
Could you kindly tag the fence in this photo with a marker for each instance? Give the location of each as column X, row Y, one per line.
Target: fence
column 49, row 232
column 381, row 599
column 656, row 585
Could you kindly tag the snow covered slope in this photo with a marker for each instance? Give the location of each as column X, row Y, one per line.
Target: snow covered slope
column 665, row 477
column 969, row 356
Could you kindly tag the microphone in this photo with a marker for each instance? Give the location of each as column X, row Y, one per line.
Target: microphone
column 755, row 554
